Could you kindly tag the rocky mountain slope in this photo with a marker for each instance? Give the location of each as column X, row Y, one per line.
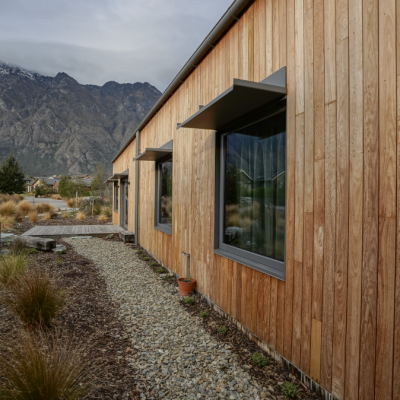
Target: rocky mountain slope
column 54, row 125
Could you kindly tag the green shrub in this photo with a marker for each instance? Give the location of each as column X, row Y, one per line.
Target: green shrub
column 33, row 251
column 97, row 209
column 290, row 390
column 203, row 314
column 40, row 367
column 222, row 330
column 35, row 300
column 158, row 270
column 188, row 300
column 154, row 264
column 146, row 258
column 259, row 360
column 139, row 252
column 12, row 267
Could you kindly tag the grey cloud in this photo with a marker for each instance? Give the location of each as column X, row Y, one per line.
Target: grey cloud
column 96, row 41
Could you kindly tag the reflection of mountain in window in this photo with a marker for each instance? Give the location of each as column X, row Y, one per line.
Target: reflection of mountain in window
column 255, row 166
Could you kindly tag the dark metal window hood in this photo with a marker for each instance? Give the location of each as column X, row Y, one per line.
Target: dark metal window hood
column 240, row 99
column 155, row 154
column 118, row 175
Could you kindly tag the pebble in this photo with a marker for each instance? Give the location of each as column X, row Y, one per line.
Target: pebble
column 173, row 353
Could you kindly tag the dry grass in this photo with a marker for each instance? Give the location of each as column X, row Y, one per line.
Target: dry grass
column 102, row 217
column 7, row 222
column 45, row 207
column 18, row 217
column 16, row 198
column 12, row 266
column 56, row 197
column 80, row 216
column 46, row 216
column 35, row 299
column 39, row 366
column 65, row 214
column 70, row 202
column 25, row 207
column 7, row 209
column 107, row 211
column 33, row 216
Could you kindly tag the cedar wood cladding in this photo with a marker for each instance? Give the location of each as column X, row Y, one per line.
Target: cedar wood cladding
column 337, row 315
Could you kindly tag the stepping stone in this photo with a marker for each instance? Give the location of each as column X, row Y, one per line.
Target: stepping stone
column 127, row 237
column 7, row 237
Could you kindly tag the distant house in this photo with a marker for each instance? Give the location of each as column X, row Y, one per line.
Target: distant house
column 29, row 185
column 50, row 182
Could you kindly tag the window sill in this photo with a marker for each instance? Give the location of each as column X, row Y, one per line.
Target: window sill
column 163, row 230
column 252, row 264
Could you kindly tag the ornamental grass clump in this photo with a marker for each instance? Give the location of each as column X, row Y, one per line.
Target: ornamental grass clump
column 70, row 202
column 102, row 217
column 188, row 300
column 80, row 216
column 259, row 360
column 18, row 247
column 39, row 366
column 46, row 216
column 7, row 222
column 290, row 390
column 203, row 314
column 159, row 270
column 35, row 299
column 33, row 216
column 12, row 267
column 8, row 208
column 45, row 208
column 25, row 207
column 222, row 330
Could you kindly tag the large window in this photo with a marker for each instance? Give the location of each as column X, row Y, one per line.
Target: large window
column 163, row 215
column 252, row 188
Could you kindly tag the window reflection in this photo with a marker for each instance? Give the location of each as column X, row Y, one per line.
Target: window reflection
column 255, row 174
column 165, row 213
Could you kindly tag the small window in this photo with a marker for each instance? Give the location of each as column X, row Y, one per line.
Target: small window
column 116, row 187
column 163, row 212
column 251, row 198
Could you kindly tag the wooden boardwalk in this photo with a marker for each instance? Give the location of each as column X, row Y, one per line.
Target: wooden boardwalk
column 58, row 232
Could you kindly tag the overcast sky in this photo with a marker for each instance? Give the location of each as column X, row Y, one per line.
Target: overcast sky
column 96, row 41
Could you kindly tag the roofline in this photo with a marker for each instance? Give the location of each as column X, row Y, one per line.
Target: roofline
column 231, row 15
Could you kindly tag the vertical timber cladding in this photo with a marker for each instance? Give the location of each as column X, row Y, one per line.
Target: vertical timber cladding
column 124, row 162
column 337, row 315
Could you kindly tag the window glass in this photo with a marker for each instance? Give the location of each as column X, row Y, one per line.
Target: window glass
column 254, row 190
column 165, row 193
column 115, row 196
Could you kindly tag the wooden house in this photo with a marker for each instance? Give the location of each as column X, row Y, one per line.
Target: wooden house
column 302, row 96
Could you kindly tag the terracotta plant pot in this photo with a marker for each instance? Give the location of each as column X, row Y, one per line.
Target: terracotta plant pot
column 185, row 288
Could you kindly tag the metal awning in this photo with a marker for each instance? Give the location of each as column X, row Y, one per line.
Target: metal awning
column 155, row 154
column 240, row 99
column 111, row 180
column 118, row 175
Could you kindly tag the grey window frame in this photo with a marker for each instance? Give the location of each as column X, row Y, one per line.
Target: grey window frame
column 258, row 262
column 116, row 196
column 157, row 206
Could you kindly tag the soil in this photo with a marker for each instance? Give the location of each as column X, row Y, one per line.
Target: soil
column 90, row 317
column 26, row 224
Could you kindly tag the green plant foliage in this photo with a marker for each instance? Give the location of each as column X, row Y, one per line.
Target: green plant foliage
column 11, row 176
column 290, row 390
column 12, row 267
column 154, row 264
column 259, row 359
column 188, row 300
column 33, row 251
column 37, row 367
column 158, row 270
column 62, row 252
column 35, row 300
column 222, row 330
column 203, row 314
column 146, row 258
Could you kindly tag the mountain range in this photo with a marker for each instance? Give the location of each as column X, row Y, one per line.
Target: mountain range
column 54, row 125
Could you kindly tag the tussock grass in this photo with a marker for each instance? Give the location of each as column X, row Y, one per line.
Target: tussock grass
column 65, row 214
column 80, row 216
column 18, row 247
column 70, row 202
column 37, row 367
column 6, row 222
column 7, row 209
column 25, row 207
column 102, row 217
column 56, row 197
column 46, row 216
column 45, row 207
column 35, row 300
column 32, row 215
column 107, row 211
column 12, row 267
column 16, row 198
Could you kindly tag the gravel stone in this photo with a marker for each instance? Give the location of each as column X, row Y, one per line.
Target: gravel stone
column 174, row 353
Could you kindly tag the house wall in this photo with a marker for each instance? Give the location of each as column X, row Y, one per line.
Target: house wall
column 337, row 315
column 124, row 162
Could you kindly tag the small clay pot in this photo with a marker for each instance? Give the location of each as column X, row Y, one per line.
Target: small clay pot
column 185, row 288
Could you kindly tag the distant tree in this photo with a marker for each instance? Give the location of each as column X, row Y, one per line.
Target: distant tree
column 99, row 178
column 64, row 187
column 42, row 190
column 12, row 176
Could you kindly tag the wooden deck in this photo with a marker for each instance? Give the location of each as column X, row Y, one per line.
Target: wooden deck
column 58, row 232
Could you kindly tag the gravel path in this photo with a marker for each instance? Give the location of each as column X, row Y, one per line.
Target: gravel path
column 175, row 355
